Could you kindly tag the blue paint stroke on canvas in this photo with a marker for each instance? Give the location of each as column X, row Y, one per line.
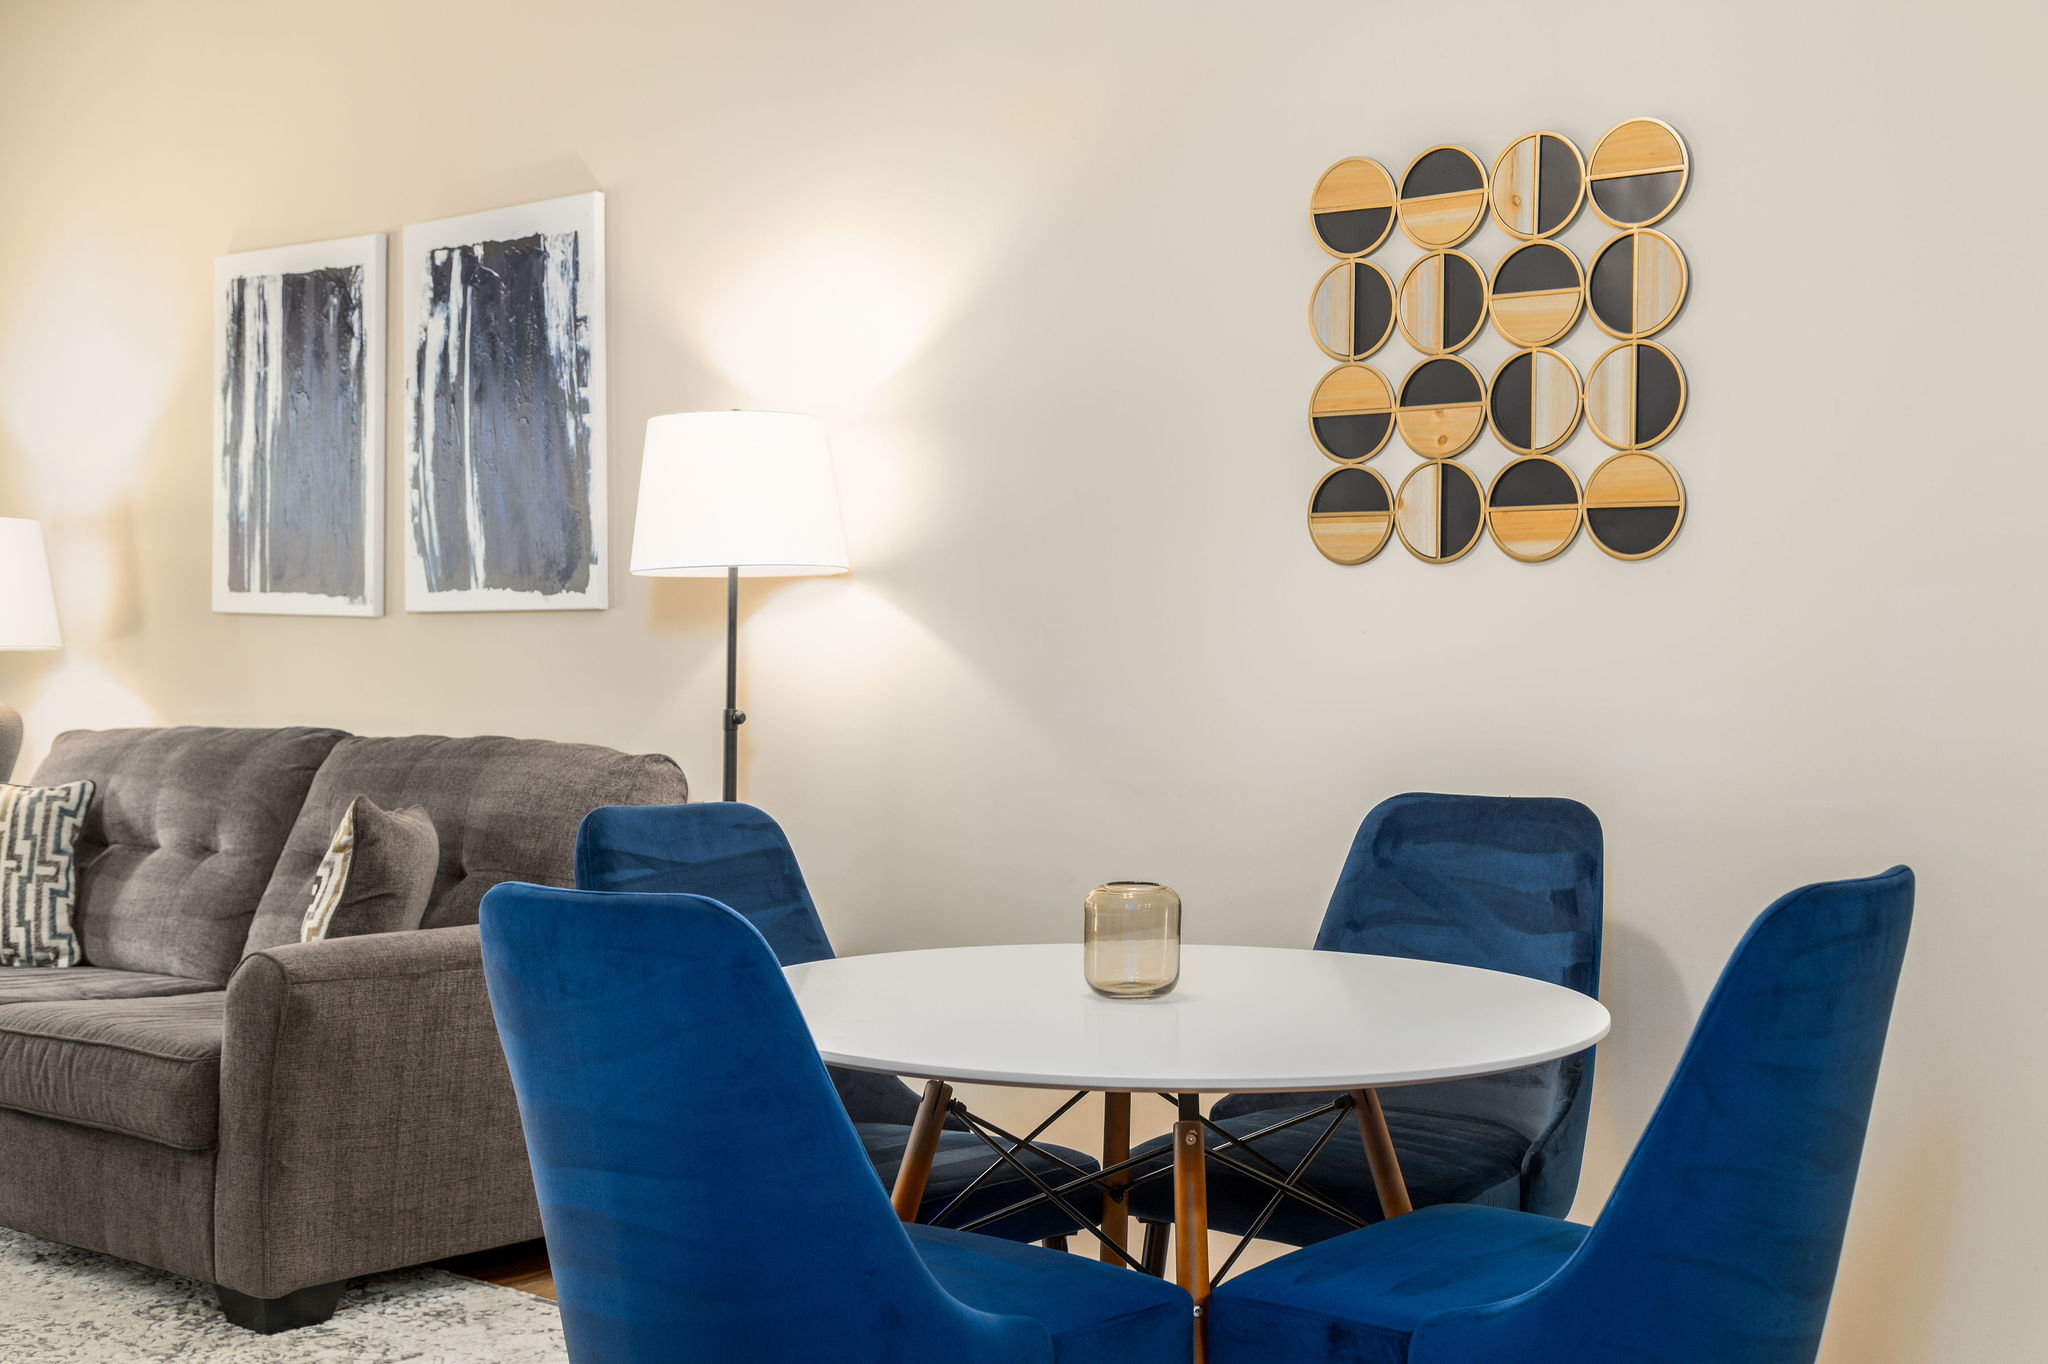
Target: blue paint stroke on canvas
column 501, row 473
column 292, row 394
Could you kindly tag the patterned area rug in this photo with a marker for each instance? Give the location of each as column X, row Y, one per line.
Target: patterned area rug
column 65, row 1306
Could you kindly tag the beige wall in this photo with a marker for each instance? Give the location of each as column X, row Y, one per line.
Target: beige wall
column 1046, row 267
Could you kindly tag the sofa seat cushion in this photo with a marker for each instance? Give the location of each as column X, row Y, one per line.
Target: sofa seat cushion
column 503, row 810
column 38, row 984
column 181, row 837
column 148, row 1068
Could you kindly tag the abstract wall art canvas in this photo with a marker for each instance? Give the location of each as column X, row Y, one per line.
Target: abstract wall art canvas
column 298, row 430
column 505, row 410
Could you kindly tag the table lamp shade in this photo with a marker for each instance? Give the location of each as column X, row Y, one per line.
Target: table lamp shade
column 28, row 608
column 746, row 490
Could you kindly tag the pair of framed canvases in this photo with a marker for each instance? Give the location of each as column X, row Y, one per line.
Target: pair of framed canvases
column 1630, row 397
column 502, row 346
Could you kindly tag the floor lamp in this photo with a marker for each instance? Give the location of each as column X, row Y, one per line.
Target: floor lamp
column 738, row 494
column 28, row 614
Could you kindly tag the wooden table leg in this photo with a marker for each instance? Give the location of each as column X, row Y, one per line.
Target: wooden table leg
column 1116, row 1148
column 1191, row 1216
column 916, row 1168
column 1379, row 1153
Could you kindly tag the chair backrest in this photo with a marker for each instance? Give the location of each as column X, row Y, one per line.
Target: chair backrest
column 1508, row 883
column 703, row 1195
column 1722, row 1238
column 735, row 854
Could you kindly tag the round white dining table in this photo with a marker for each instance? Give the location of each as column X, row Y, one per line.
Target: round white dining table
column 1246, row 1019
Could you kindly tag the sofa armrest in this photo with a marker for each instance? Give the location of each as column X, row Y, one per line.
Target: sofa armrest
column 367, row 1119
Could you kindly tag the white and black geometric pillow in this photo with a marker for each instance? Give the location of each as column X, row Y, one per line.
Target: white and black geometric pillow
column 38, row 884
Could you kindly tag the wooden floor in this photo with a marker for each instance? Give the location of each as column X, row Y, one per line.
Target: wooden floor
column 524, row 1266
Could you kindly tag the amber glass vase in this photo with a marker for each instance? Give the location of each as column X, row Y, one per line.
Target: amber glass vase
column 1131, row 939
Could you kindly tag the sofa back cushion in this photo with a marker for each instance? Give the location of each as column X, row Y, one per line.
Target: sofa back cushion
column 181, row 837
column 505, row 810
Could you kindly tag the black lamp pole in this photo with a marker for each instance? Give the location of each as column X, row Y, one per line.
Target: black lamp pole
column 734, row 717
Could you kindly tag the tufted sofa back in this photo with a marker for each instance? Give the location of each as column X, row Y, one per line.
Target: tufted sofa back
column 505, row 810
column 181, row 837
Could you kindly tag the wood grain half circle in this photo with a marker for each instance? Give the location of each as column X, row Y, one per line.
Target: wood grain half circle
column 1443, row 302
column 1536, row 294
column 1637, row 172
column 1533, row 401
column 1635, row 393
column 1443, row 197
column 1350, row 515
column 1351, row 413
column 1440, row 511
column 1352, row 207
column 1537, row 186
column 1351, row 312
column 1637, row 284
column 1634, row 505
column 1441, row 408
column 1532, row 509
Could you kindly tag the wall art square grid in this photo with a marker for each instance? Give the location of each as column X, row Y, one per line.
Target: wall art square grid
column 505, row 410
column 298, row 429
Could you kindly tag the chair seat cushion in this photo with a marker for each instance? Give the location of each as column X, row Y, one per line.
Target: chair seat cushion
column 961, row 1157
column 1445, row 1158
column 31, row 984
column 149, row 1068
column 1095, row 1313
column 1358, row 1297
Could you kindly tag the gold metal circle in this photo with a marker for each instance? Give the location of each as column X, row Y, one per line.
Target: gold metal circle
column 1639, row 482
column 1441, row 430
column 1427, row 506
column 1656, row 290
column 1613, row 392
column 1333, row 307
column 1355, row 185
column 1536, row 317
column 1341, row 399
column 1554, row 401
column 1356, row 535
column 1421, row 304
column 1637, row 150
column 1516, row 188
column 1436, row 222
column 1533, row 531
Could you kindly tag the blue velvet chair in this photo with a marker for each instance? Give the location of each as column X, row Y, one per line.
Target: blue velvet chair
column 1719, row 1244
column 738, row 855
column 750, row 1228
column 1502, row 882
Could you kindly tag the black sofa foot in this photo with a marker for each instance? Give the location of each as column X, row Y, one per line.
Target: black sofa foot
column 268, row 1316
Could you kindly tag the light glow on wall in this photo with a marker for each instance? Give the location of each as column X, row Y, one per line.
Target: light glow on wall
column 79, row 694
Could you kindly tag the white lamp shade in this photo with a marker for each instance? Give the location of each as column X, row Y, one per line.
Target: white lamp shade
column 746, row 490
column 28, row 608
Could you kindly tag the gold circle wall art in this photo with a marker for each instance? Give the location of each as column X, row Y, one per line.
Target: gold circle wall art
column 1350, row 516
column 1634, row 504
column 1533, row 401
column 1538, row 184
column 1532, row 509
column 1637, row 284
column 1352, row 208
column 1441, row 408
column 1351, row 413
column 1443, row 198
column 1439, row 511
column 1634, row 394
column 1443, row 302
column 1637, row 172
column 1352, row 311
column 1537, row 292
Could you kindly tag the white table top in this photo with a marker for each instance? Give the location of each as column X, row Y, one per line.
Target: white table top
column 1243, row 1018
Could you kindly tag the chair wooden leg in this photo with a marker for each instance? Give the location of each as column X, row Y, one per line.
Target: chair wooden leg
column 1054, row 1243
column 1379, row 1153
column 916, row 1168
column 1116, row 1148
column 1153, row 1255
column 1191, row 1217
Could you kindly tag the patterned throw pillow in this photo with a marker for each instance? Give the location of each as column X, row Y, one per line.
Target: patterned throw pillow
column 38, row 883
column 377, row 875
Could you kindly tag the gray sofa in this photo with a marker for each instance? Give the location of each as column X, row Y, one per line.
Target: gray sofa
column 210, row 1096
